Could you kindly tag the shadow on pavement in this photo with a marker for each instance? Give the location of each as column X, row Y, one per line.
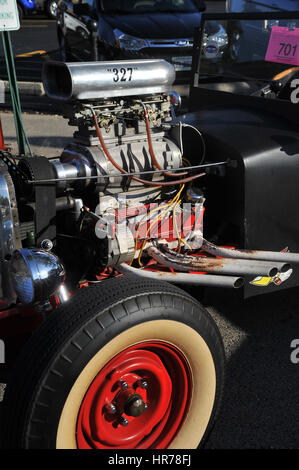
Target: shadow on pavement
column 261, row 399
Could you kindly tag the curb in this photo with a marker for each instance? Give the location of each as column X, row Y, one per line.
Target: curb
column 27, row 88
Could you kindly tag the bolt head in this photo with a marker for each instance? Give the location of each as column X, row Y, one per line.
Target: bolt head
column 110, row 408
column 141, row 383
column 47, row 245
column 123, row 385
column 144, row 384
column 124, row 422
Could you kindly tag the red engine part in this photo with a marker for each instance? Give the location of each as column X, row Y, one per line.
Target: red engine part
column 145, row 222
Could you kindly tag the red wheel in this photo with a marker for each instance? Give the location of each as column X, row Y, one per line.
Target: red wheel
column 138, row 400
column 127, row 364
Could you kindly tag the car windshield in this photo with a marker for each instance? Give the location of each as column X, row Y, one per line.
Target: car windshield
column 142, row 6
column 247, row 51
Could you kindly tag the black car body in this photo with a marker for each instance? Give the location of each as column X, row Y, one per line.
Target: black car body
column 136, row 29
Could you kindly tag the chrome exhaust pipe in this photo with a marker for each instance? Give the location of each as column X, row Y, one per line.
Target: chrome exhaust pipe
column 272, row 256
column 185, row 278
column 234, row 267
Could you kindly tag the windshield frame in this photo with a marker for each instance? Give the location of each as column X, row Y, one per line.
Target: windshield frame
column 247, row 16
column 201, row 97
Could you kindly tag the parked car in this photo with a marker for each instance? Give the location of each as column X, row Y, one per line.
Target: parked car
column 25, row 7
column 160, row 29
column 49, row 7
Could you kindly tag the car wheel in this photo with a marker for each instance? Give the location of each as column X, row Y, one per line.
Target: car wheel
column 51, row 8
column 126, row 364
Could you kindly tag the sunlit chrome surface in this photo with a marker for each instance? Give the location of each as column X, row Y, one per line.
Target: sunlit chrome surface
column 9, row 230
column 175, row 99
column 171, row 42
column 63, row 294
column 7, row 243
column 36, row 275
column 97, row 80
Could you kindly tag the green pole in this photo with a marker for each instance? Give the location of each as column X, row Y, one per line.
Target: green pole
column 14, row 91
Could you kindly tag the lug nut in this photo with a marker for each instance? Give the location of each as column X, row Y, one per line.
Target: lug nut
column 110, row 408
column 123, row 422
column 142, row 384
column 123, row 385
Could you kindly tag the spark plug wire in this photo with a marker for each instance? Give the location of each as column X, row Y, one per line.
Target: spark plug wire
column 151, row 149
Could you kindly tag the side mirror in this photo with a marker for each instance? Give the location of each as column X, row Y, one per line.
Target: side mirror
column 82, row 9
column 200, row 5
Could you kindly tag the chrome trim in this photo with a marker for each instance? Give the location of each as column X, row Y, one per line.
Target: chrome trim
column 9, row 220
column 175, row 43
column 63, row 294
column 9, row 230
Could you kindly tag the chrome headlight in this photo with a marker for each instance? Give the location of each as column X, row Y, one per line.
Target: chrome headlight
column 125, row 41
column 35, row 274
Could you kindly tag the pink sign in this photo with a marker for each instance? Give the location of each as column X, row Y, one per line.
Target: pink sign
column 283, row 46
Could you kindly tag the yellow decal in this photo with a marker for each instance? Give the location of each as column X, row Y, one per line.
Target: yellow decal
column 263, row 281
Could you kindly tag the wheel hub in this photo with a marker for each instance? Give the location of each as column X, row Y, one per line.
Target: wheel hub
column 134, row 405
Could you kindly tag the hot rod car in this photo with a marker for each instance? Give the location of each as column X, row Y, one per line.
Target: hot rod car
column 91, row 242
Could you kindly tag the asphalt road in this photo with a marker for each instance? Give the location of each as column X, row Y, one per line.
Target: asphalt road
column 260, row 405
column 32, row 45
